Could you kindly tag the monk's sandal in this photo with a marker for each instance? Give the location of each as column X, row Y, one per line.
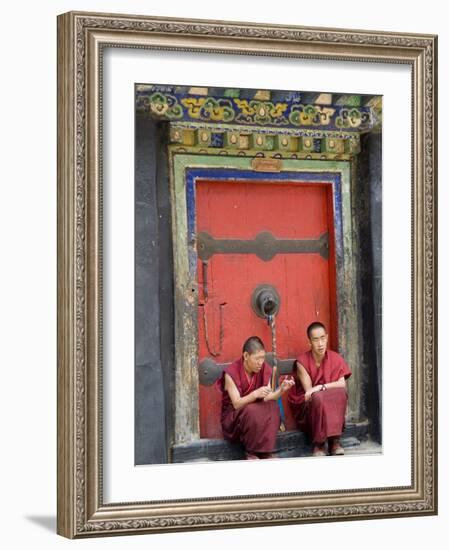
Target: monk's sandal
column 336, row 449
column 318, row 450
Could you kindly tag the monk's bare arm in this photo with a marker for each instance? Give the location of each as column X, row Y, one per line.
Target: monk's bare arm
column 286, row 384
column 306, row 381
column 340, row 383
column 237, row 401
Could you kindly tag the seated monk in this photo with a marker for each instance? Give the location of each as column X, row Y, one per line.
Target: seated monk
column 249, row 411
column 319, row 398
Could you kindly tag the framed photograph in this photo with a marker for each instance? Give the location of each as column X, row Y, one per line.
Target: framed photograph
column 235, row 199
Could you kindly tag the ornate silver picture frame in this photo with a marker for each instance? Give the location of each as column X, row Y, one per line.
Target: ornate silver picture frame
column 83, row 510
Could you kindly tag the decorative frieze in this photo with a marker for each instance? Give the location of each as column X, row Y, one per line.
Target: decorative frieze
column 256, row 108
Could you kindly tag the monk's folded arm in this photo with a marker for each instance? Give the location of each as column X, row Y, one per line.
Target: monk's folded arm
column 275, row 395
column 340, row 383
column 237, row 401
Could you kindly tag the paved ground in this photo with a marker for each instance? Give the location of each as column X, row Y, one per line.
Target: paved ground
column 365, row 448
column 351, row 445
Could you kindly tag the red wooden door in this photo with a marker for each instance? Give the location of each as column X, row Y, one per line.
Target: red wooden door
column 305, row 281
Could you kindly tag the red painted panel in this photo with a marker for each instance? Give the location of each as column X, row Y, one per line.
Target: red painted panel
column 305, row 282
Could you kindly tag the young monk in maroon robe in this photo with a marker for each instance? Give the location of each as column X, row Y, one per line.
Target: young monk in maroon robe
column 319, row 398
column 250, row 413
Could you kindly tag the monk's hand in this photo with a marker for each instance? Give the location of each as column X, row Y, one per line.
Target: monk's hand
column 287, row 383
column 308, row 394
column 262, row 392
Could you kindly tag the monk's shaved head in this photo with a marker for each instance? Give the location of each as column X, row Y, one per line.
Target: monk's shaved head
column 253, row 345
column 313, row 326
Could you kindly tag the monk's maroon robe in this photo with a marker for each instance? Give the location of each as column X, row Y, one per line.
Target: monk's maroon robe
column 257, row 423
column 323, row 415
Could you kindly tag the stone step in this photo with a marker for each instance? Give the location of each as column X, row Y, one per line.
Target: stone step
column 288, row 444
